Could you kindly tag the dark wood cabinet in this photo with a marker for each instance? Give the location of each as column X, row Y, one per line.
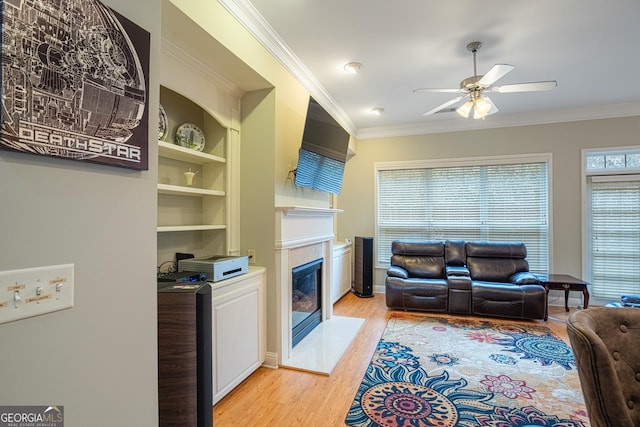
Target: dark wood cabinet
column 185, row 393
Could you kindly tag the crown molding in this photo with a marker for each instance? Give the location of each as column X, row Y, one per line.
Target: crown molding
column 255, row 23
column 458, row 124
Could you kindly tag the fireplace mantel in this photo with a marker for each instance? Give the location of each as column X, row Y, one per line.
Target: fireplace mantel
column 300, row 225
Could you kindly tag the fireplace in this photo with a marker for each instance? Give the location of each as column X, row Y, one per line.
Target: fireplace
column 306, row 299
column 304, row 236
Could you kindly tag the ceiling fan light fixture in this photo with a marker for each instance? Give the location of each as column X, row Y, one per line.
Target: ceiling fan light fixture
column 352, row 67
column 481, row 108
column 465, row 109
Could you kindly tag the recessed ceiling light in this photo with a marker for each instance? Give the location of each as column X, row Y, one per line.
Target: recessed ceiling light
column 352, row 67
column 377, row 111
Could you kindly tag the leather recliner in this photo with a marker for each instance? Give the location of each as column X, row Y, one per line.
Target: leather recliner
column 416, row 278
column 483, row 278
column 501, row 283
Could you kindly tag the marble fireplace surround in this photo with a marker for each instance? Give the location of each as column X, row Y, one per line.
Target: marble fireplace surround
column 305, row 234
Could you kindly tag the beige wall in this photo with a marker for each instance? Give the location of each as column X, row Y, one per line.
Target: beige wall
column 97, row 359
column 564, row 141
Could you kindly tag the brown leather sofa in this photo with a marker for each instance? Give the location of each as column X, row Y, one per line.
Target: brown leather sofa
column 482, row 278
column 604, row 342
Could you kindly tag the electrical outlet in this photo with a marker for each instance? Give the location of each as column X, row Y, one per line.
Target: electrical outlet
column 252, row 256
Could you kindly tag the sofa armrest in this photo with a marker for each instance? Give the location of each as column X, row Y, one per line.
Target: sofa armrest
column 462, row 283
column 524, row 278
column 395, row 271
column 457, row 270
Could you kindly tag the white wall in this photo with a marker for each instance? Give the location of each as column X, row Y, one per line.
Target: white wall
column 563, row 140
column 99, row 358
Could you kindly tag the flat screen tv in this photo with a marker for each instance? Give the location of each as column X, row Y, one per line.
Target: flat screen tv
column 323, row 152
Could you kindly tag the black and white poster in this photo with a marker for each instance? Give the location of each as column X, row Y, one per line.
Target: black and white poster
column 74, row 82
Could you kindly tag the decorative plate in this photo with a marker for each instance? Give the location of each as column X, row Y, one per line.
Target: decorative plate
column 162, row 124
column 191, row 136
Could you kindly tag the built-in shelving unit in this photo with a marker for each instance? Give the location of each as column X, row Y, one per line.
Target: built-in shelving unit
column 197, row 208
column 203, row 83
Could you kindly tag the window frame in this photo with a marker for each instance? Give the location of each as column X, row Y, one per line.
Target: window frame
column 602, row 175
column 470, row 162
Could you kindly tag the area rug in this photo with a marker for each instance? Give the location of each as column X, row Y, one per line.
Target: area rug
column 464, row 371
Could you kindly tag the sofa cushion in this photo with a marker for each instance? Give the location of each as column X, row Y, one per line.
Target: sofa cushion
column 422, row 247
column 496, row 261
column 496, row 249
column 495, row 269
column 421, row 259
column 454, row 252
column 422, row 267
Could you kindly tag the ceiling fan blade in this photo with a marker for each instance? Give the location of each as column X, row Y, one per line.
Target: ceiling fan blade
column 434, row 90
column 496, row 72
column 525, row 87
column 443, row 106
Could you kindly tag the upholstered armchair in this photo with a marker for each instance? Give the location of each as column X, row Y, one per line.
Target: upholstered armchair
column 606, row 345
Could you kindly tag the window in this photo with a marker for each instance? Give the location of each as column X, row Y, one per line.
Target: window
column 613, row 223
column 498, row 199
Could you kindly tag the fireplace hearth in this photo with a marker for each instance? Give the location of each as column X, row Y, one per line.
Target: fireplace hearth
column 306, row 299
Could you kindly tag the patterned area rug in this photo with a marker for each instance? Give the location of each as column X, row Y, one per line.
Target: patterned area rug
column 463, row 371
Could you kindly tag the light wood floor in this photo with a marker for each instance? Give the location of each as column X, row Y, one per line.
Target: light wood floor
column 284, row 397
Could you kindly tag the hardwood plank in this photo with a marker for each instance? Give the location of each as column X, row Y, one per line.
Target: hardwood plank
column 284, row 397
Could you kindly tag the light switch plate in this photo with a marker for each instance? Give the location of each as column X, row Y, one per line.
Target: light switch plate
column 33, row 291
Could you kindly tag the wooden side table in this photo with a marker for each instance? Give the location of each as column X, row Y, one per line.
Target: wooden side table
column 566, row 283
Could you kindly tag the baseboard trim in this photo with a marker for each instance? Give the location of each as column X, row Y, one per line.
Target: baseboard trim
column 271, row 360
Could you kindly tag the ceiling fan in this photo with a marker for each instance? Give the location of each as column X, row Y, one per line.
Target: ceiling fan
column 479, row 105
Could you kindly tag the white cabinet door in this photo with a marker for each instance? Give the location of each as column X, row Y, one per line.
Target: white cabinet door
column 340, row 271
column 239, row 329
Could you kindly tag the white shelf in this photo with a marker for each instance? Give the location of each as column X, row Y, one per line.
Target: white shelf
column 173, row 151
column 191, row 218
column 173, row 228
column 177, row 190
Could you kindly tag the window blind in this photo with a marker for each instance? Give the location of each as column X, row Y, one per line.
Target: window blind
column 504, row 202
column 615, row 238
